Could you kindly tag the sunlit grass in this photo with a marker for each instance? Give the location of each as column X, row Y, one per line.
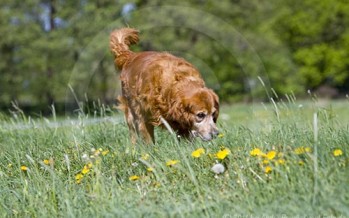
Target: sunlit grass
column 262, row 163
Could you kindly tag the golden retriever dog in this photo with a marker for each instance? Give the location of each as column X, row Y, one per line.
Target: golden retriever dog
column 158, row 86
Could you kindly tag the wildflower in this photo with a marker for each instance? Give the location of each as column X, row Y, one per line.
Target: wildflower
column 133, row 178
column 218, row 168
column 223, row 153
column 145, row 157
column 198, row 152
column 256, row 152
column 46, row 162
column 281, row 161
column 86, row 168
column 24, row 168
column 105, row 152
column 270, row 155
column 302, row 150
column 89, row 165
column 171, row 163
column 267, row 169
column 337, row 152
column 150, row 169
column 97, row 152
column 265, row 162
column 78, row 178
column 221, row 135
column 85, row 158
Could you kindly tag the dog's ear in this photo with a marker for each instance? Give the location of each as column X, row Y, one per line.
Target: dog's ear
column 180, row 113
column 216, row 104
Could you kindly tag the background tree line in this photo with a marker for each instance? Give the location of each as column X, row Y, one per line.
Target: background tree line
column 56, row 51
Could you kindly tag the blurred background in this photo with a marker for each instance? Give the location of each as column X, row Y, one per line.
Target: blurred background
column 56, row 52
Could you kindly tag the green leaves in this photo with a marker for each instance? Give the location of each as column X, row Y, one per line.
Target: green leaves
column 292, row 45
column 317, row 32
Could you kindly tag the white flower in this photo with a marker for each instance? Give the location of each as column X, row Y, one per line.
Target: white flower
column 85, row 158
column 218, row 168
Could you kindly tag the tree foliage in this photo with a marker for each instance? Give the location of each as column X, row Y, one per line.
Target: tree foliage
column 317, row 33
column 55, row 51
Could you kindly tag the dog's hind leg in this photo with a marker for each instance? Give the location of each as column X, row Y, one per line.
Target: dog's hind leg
column 129, row 118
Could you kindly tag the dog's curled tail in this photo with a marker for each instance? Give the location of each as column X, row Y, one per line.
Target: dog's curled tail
column 119, row 43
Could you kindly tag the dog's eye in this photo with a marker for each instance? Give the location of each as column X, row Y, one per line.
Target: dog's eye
column 200, row 115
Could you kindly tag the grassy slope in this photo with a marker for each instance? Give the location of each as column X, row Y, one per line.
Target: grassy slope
column 306, row 184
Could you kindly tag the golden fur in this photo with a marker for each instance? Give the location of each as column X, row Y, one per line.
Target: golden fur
column 158, row 84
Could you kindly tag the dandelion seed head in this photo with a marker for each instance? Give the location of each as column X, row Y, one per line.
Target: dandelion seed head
column 218, row 168
column 85, row 157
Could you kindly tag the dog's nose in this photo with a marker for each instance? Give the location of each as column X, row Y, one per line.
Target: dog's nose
column 215, row 133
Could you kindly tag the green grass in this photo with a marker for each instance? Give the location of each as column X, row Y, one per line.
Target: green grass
column 312, row 183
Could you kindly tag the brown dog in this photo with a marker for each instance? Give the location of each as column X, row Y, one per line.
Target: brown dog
column 158, row 85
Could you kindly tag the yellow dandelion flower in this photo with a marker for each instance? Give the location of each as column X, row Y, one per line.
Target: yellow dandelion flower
column 46, row 162
column 78, row 178
column 281, row 161
column 85, row 170
column 145, row 157
column 270, row 155
column 256, row 152
column 337, row 152
column 150, row 169
column 89, row 165
column 105, row 152
column 24, row 168
column 267, row 169
column 171, row 163
column 223, row 153
column 265, row 162
column 133, row 178
column 221, row 135
column 198, row 152
column 302, row 150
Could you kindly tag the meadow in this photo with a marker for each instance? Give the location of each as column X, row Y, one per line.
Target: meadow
column 280, row 159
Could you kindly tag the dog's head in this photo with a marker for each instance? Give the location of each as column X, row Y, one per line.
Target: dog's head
column 201, row 110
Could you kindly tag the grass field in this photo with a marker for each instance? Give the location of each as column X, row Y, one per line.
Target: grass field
column 273, row 166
